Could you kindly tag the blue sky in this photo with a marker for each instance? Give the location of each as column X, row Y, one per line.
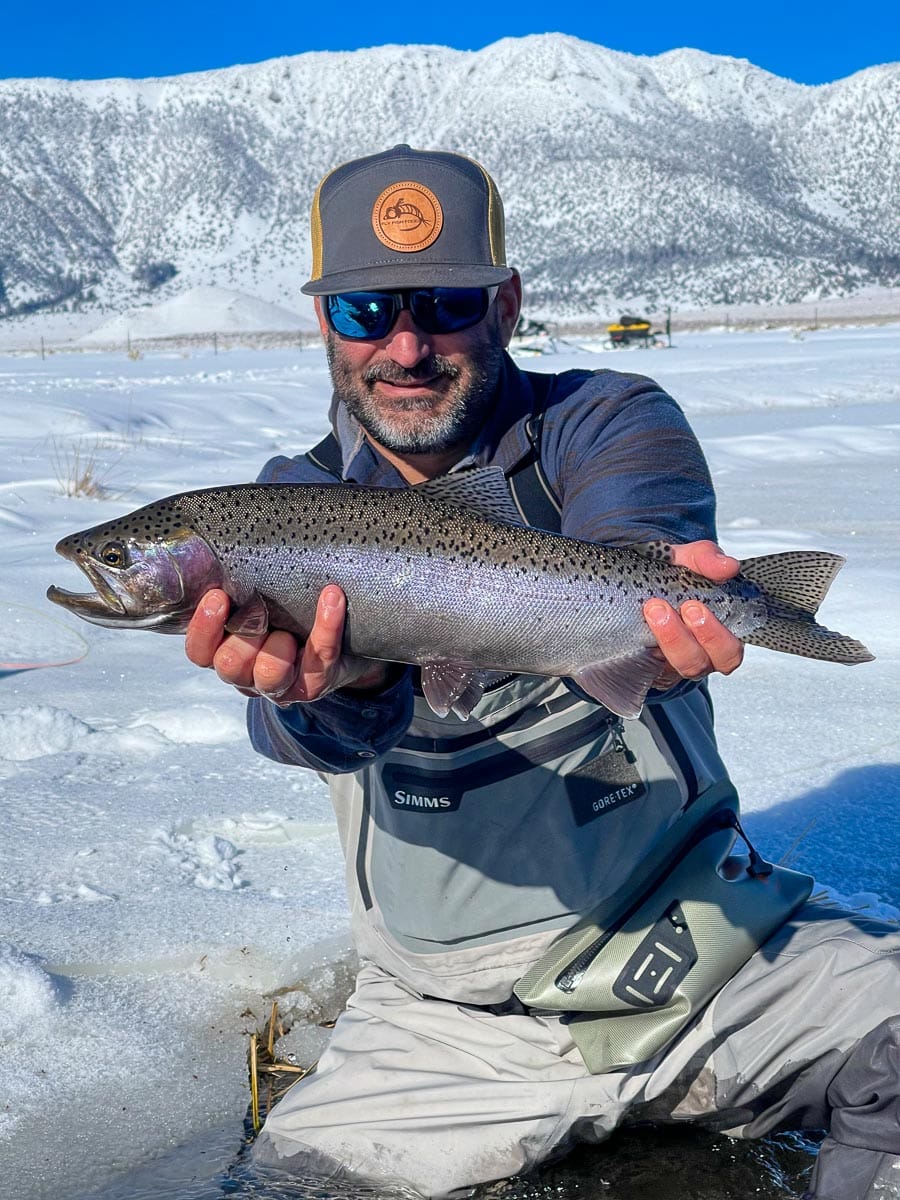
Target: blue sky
column 806, row 41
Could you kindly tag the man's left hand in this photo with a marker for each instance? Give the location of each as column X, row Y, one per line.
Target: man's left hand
column 692, row 641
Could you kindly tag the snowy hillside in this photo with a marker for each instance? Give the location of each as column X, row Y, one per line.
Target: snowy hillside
column 199, row 310
column 687, row 178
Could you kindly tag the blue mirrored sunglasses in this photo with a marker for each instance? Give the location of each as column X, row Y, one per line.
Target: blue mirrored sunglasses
column 371, row 315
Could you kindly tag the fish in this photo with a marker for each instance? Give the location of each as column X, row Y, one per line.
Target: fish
column 444, row 575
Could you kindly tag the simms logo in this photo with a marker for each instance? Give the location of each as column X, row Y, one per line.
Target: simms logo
column 429, row 792
column 401, row 799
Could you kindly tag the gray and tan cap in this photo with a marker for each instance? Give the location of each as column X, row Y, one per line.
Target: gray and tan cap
column 407, row 218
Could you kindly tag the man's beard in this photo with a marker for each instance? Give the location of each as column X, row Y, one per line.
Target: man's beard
column 464, row 405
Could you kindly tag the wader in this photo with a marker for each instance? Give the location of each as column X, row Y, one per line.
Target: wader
column 470, row 848
column 462, row 871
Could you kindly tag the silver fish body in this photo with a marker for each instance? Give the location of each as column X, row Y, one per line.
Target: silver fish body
column 443, row 575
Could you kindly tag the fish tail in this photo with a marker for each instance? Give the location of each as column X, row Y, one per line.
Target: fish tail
column 794, row 585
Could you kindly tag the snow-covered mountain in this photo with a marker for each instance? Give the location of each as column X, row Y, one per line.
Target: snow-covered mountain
column 686, row 178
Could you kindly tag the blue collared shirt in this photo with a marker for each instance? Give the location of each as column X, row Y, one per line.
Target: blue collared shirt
column 617, row 452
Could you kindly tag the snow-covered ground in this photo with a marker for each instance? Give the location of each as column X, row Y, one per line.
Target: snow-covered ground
column 158, row 881
column 187, row 316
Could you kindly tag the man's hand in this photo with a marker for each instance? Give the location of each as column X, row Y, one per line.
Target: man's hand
column 693, row 642
column 276, row 665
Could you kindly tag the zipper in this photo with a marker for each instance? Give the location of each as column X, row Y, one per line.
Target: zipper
column 571, row 976
column 619, row 745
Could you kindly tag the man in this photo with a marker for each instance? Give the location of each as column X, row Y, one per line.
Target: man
column 473, row 845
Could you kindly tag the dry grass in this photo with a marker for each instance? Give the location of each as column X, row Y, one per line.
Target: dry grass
column 83, row 468
column 266, row 1069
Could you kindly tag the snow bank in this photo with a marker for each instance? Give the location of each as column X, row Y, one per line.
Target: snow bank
column 28, row 997
column 201, row 310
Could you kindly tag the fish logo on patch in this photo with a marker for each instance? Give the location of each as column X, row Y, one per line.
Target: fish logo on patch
column 407, row 217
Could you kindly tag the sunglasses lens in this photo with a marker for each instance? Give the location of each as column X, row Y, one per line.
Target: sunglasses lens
column 370, row 315
column 361, row 314
column 448, row 310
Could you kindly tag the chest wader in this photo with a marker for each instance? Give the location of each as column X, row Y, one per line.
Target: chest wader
column 546, row 836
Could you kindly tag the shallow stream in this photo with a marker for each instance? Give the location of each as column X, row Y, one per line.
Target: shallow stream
column 647, row 1163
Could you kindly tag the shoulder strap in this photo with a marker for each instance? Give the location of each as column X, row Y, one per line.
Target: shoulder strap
column 327, row 456
column 531, row 490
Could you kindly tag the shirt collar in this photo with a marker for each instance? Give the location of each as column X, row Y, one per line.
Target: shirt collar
column 503, row 439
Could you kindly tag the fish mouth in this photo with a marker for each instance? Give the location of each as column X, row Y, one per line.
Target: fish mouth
column 87, row 604
column 91, row 605
column 112, row 613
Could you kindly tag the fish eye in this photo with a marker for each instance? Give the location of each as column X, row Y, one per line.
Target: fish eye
column 113, row 554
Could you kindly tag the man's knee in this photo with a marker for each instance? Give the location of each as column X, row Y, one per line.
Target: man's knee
column 860, row 1160
column 864, row 1095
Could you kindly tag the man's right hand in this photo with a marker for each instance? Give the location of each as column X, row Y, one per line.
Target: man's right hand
column 276, row 665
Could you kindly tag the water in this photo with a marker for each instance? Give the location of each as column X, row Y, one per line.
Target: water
column 648, row 1163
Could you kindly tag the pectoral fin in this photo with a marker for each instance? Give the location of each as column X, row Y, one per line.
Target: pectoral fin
column 622, row 684
column 251, row 619
column 451, row 685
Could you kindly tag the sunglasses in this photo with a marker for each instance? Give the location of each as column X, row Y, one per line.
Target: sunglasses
column 364, row 316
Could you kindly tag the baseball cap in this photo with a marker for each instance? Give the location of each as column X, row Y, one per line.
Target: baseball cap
column 407, row 219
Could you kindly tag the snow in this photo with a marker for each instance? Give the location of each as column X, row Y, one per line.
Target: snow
column 27, row 994
column 199, row 310
column 160, row 881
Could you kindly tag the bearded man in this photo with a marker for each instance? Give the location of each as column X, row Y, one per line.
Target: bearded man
column 475, row 846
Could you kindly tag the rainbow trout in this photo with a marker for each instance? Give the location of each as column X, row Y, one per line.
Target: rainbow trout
column 443, row 575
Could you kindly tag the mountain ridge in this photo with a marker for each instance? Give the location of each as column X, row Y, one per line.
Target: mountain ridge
column 685, row 178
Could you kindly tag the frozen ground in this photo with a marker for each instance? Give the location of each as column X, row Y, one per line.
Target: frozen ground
column 160, row 881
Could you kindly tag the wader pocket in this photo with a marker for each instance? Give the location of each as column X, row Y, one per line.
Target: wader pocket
column 630, row 980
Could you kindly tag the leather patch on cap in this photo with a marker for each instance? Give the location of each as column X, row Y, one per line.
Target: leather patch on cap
column 407, row 216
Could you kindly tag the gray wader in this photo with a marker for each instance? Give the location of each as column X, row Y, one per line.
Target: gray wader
column 470, row 848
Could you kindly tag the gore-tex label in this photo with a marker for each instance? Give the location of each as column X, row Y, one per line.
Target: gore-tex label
column 420, row 793
column 603, row 785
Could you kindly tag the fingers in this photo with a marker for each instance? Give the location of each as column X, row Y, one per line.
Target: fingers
column 206, row 630
column 263, row 665
column 693, row 642
column 258, row 666
column 320, row 664
column 325, row 666
column 705, row 558
column 272, row 665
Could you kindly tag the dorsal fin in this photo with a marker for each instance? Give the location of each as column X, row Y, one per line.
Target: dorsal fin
column 658, row 550
column 484, row 490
